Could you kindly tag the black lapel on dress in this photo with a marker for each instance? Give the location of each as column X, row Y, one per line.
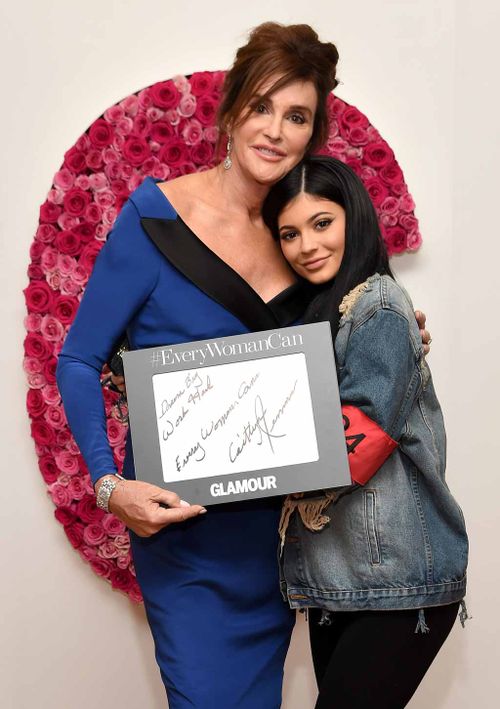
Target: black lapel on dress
column 209, row 273
column 289, row 305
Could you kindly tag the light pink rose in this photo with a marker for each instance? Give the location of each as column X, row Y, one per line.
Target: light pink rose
column 83, row 182
column 181, row 83
column 172, row 117
column 51, row 329
column 107, row 550
column 124, row 126
column 54, row 280
column 113, row 526
column 63, row 479
column 145, row 100
column 414, row 240
column 388, row 219
column 155, row 147
column 94, row 534
column 114, row 114
column 76, row 488
column 123, row 561
column 154, row 114
column 126, row 170
column 51, row 395
column 64, row 179
column 187, row 106
column 390, row 205
column 110, row 155
column 67, row 221
column 134, row 182
column 98, row 181
column 192, row 132
column 48, row 260
column 406, row 203
column 122, row 541
column 130, row 105
column 68, row 286
column 102, row 232
column 32, row 365
column 337, row 145
column 211, row 133
column 116, row 432
column 79, row 275
column 119, row 142
column 109, row 216
column 161, row 172
column 55, row 196
column 36, row 380
column 54, row 415
column 105, row 199
column 32, row 322
column 65, row 264
column 60, row 495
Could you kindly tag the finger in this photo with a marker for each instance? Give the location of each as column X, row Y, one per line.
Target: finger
column 421, row 318
column 426, row 336
column 168, row 498
column 178, row 514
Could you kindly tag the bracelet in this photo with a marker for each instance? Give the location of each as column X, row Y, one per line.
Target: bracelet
column 105, row 489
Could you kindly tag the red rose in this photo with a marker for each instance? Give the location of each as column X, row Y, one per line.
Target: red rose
column 49, row 370
column 74, row 160
column 35, row 346
column 93, row 213
column 391, row 174
column 377, row 190
column 49, row 212
column 37, row 248
column 101, row 133
column 161, row 131
column 65, row 515
column 136, row 150
column 358, row 136
column 48, row 469
column 120, row 187
column 35, row 403
column 135, row 593
column 39, row 297
column 408, row 222
column 121, row 579
column 378, row 154
column 84, row 231
column 202, row 153
column 395, row 238
column 64, row 308
column 141, row 125
column 89, row 255
column 88, row 511
column 165, row 95
column 352, row 118
column 74, row 532
column 174, row 153
column 102, row 567
column 94, row 159
column 68, row 242
column 46, row 233
column 76, row 201
column 35, row 273
column 42, row 433
column 202, row 82
column 206, row 108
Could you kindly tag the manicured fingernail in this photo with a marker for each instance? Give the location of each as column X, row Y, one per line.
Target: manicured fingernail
column 183, row 503
column 202, row 511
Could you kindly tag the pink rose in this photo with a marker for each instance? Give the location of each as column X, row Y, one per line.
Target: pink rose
column 141, row 125
column 206, row 109
column 46, row 233
column 395, row 238
column 201, row 83
column 136, row 150
column 63, row 437
column 49, row 258
column 145, row 99
column 124, row 126
column 174, row 152
column 161, row 131
column 67, row 221
column 35, row 404
column 93, row 213
column 391, row 174
column 64, row 179
column 123, row 562
column 74, row 160
column 211, row 133
column 378, row 154
column 126, row 170
column 105, row 199
column 130, row 105
column 76, row 201
column 83, row 142
column 76, row 488
column 87, row 510
column 121, row 579
column 68, row 242
column 49, row 212
column 109, row 216
column 94, row 159
column 98, row 181
column 109, row 155
column 48, row 469
column 55, row 196
column 69, row 287
column 114, row 114
column 113, row 526
column 102, row 231
column 35, row 346
column 116, row 432
column 55, row 417
column 187, row 106
column 102, row 567
column 388, row 219
column 51, row 329
column 161, row 172
column 74, row 532
column 32, row 365
column 38, row 297
column 408, row 222
column 118, row 142
column 32, row 322
column 101, row 133
column 83, row 182
column 87, row 553
column 79, row 275
column 51, row 395
column 36, row 380
column 36, row 250
column 94, row 534
column 406, row 203
column 181, row 83
column 107, row 550
column 154, row 114
column 60, row 495
column 414, row 240
column 165, row 95
column 390, row 205
column 65, row 515
column 192, row 132
column 202, row 153
column 173, row 117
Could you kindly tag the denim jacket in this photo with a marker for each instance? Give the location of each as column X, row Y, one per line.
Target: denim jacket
column 399, row 541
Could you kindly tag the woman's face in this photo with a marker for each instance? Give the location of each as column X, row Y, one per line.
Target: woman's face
column 275, row 136
column 312, row 237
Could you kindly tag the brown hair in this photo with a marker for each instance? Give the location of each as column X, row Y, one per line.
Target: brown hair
column 296, row 54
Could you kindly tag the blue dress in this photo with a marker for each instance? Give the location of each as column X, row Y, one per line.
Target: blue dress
column 210, row 585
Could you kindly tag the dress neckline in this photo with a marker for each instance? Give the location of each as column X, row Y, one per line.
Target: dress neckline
column 223, row 264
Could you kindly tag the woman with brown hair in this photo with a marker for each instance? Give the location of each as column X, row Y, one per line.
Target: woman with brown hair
column 210, row 584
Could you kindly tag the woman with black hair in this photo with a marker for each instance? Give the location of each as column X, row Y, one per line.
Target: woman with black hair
column 381, row 563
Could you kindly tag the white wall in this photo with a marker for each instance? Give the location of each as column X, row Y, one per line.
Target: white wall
column 426, row 73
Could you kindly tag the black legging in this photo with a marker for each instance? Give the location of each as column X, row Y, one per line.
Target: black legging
column 374, row 659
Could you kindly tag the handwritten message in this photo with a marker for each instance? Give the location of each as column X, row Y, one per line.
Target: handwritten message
column 235, row 417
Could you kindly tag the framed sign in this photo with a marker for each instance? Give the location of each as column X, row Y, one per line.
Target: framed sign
column 239, row 417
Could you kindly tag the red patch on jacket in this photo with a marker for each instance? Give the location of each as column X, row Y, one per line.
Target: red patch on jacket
column 368, row 445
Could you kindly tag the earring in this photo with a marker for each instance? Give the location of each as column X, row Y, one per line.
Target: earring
column 227, row 161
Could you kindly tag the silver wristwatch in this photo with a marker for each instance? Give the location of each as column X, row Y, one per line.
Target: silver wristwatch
column 105, row 489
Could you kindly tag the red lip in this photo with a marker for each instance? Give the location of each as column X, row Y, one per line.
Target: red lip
column 278, row 152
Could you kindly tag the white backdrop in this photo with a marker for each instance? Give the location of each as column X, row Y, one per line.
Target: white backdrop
column 426, row 74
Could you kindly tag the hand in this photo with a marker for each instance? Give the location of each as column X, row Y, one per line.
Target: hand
column 424, row 334
column 117, row 381
column 139, row 505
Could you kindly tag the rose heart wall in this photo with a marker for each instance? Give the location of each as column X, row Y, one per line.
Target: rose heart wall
column 423, row 73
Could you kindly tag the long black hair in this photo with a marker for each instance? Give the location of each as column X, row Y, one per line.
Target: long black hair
column 364, row 251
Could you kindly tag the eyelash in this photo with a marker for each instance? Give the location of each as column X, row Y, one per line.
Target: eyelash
column 321, row 223
column 301, row 120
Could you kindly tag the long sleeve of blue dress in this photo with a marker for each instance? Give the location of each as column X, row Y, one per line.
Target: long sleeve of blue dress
column 125, row 273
